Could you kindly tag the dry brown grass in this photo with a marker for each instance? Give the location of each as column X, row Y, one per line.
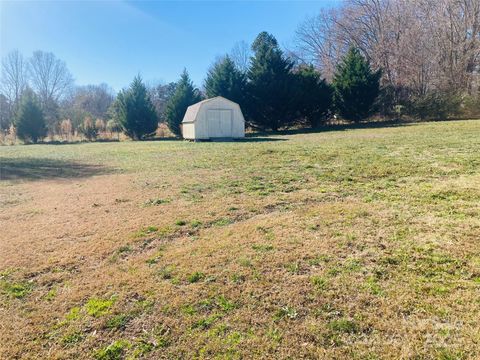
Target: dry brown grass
column 360, row 244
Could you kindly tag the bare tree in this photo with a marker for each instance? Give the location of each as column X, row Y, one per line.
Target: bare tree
column 240, row 54
column 94, row 99
column 87, row 101
column 421, row 45
column 50, row 77
column 14, row 76
column 319, row 43
column 160, row 94
column 51, row 80
column 457, row 32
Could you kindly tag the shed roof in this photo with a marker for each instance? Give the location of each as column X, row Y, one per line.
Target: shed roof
column 192, row 110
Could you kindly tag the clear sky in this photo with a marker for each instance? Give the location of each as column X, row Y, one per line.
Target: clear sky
column 112, row 41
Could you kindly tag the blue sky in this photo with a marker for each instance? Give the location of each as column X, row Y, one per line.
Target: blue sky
column 112, row 41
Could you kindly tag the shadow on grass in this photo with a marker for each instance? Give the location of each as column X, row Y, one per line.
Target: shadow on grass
column 31, row 169
column 335, row 127
column 259, row 138
column 67, row 142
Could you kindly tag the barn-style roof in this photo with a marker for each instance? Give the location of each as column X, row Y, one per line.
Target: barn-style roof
column 192, row 110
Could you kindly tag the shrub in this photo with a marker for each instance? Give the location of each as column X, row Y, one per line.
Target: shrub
column 471, row 106
column 315, row 96
column 434, row 105
column 355, row 86
column 100, row 125
column 185, row 95
column 134, row 111
column 30, row 122
column 66, row 129
column 112, row 126
column 88, row 129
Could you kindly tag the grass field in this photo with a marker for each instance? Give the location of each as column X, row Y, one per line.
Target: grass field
column 359, row 244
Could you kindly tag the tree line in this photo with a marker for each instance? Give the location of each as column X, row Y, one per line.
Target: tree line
column 429, row 51
column 274, row 92
column 365, row 59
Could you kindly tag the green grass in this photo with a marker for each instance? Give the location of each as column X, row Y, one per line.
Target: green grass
column 117, row 322
column 343, row 326
column 319, row 282
column 16, row 290
column 358, row 244
column 195, row 277
column 72, row 338
column 286, row 312
column 114, row 351
column 98, row 307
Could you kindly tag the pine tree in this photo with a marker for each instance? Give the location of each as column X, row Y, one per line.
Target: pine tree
column 224, row 79
column 356, row 87
column 185, row 95
column 135, row 112
column 30, row 121
column 271, row 86
column 315, row 96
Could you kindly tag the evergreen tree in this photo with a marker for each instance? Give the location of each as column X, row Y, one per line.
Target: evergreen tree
column 356, row 86
column 30, row 121
column 135, row 112
column 271, row 86
column 224, row 79
column 315, row 96
column 185, row 95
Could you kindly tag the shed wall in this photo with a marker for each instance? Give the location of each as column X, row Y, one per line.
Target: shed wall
column 238, row 123
column 217, row 108
column 188, row 130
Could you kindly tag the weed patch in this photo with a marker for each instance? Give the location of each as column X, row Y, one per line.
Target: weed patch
column 114, row 351
column 262, row 247
column 205, row 323
column 146, row 231
column 72, row 338
column 156, row 202
column 225, row 304
column 319, row 282
column 166, row 272
column 343, row 326
column 118, row 321
column 222, row 222
column 16, row 290
column 97, row 307
column 195, row 224
column 195, row 277
column 293, row 268
column 155, row 258
column 285, row 312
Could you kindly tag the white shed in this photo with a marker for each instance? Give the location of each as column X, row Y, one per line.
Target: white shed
column 213, row 118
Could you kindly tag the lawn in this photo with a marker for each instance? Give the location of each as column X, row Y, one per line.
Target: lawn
column 359, row 244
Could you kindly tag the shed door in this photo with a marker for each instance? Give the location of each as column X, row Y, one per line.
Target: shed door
column 219, row 123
